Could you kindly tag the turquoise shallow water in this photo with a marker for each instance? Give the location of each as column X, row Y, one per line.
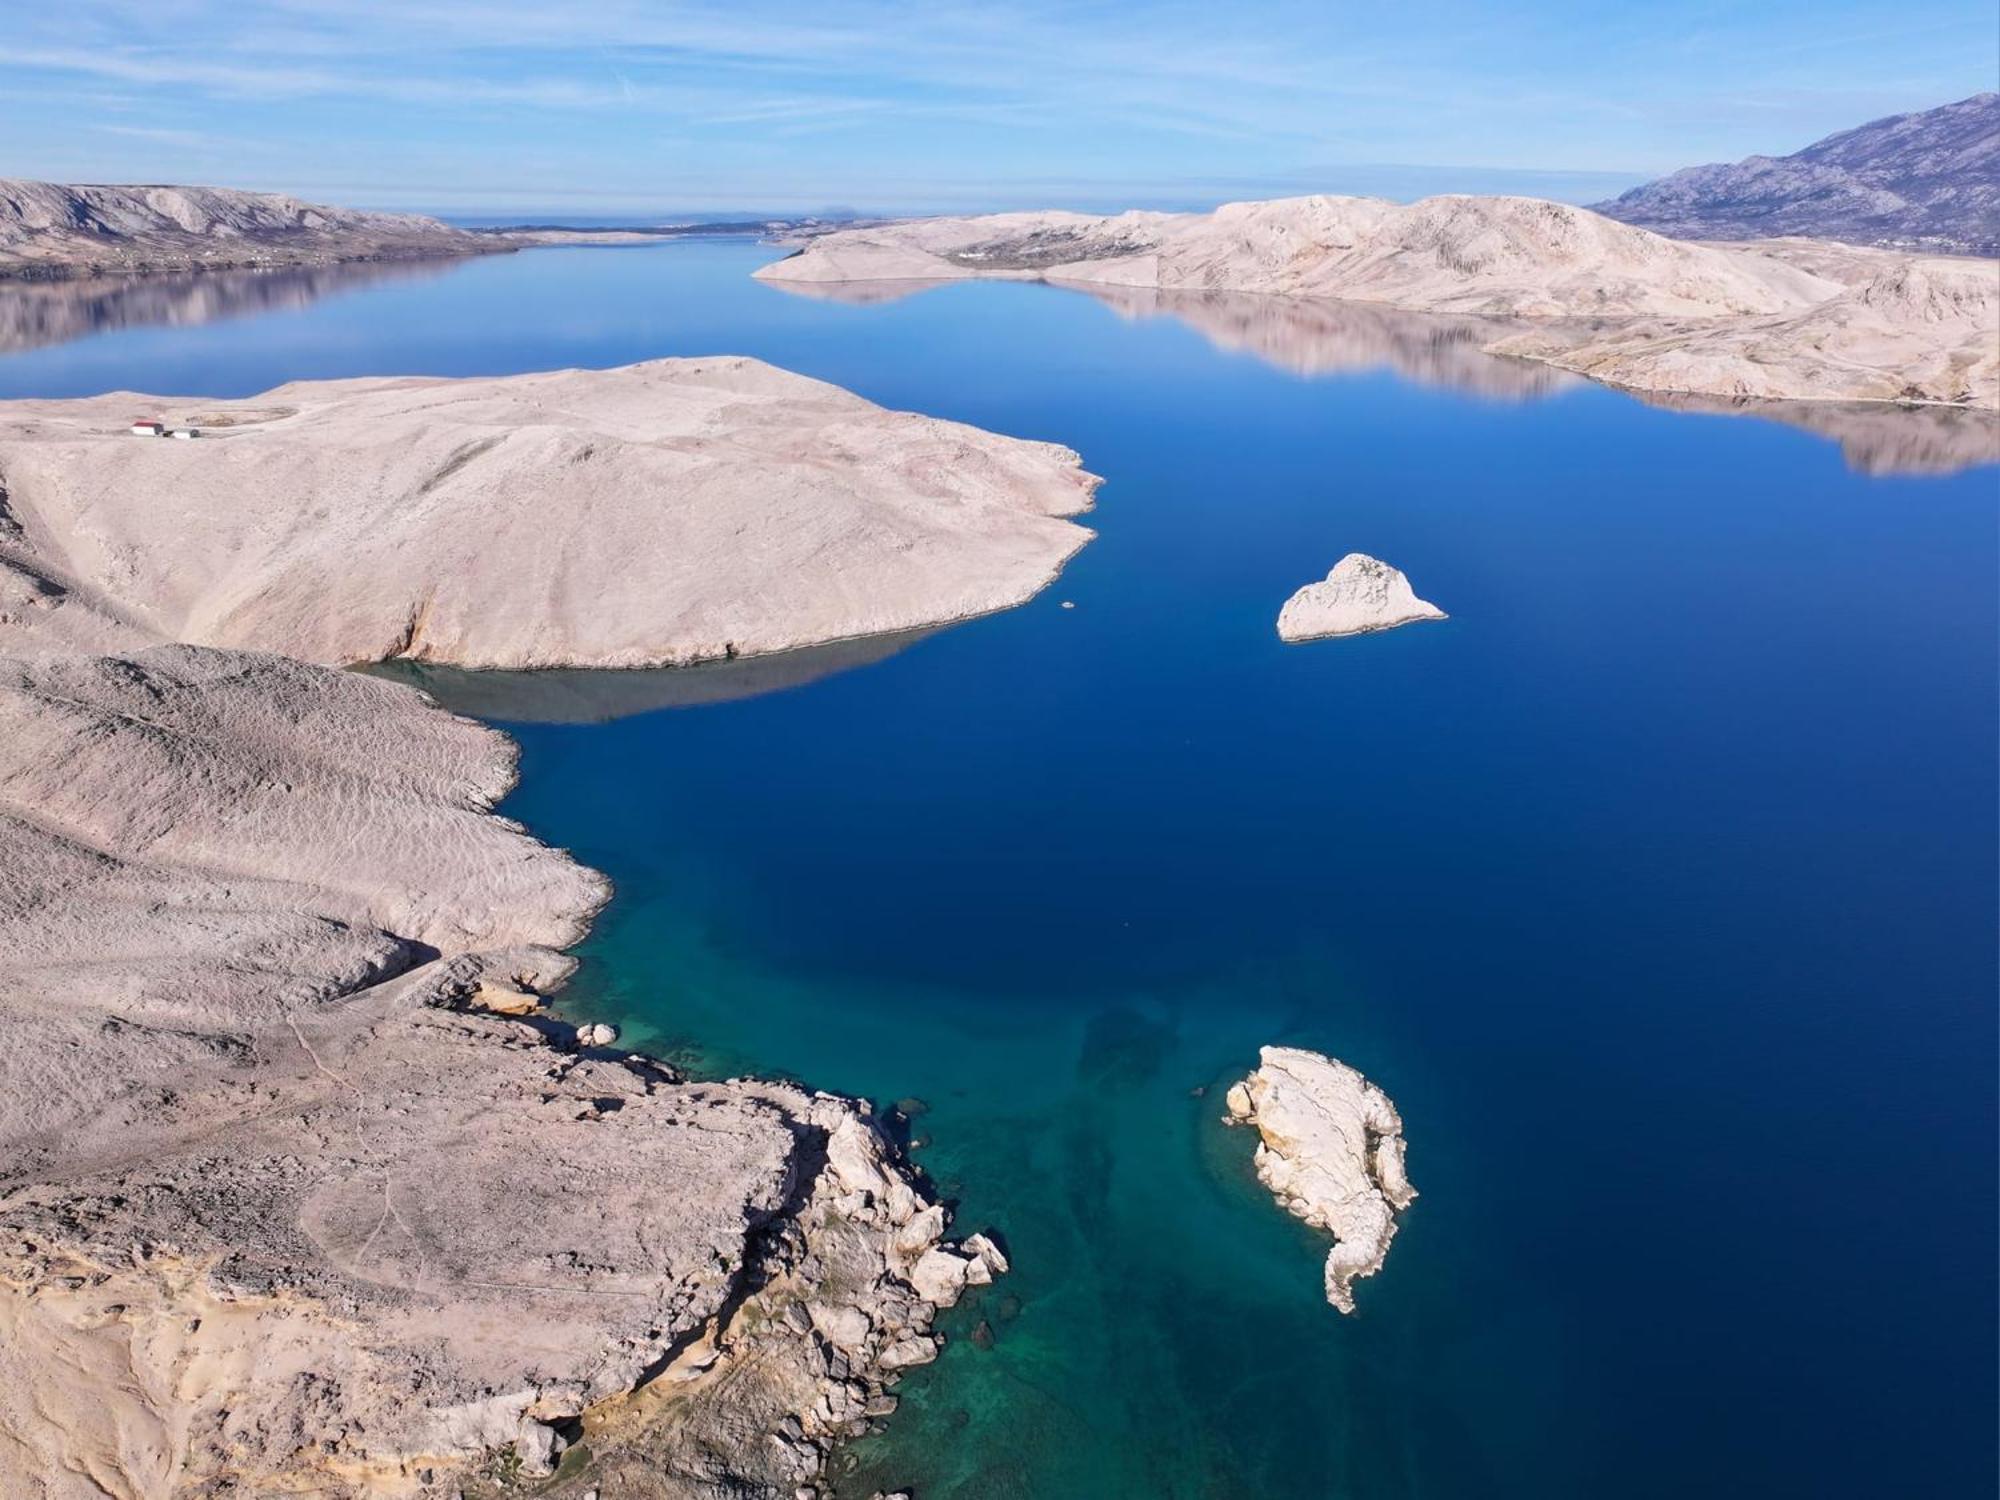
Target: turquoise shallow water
column 1657, row 887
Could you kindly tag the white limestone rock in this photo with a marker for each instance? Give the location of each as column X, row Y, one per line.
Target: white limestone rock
column 679, row 511
column 1361, row 594
column 1331, row 1152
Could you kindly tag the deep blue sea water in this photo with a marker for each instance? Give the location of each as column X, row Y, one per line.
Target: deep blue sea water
column 1657, row 886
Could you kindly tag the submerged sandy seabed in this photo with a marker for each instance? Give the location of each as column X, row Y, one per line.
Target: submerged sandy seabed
column 300, row 1185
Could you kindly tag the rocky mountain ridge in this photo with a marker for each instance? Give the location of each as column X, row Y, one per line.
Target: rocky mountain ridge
column 1928, row 180
column 58, row 230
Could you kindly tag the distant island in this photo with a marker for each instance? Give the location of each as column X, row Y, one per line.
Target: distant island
column 780, row 229
column 51, row 231
column 1929, row 180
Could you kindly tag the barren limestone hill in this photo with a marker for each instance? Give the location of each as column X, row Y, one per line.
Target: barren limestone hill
column 301, row 1190
column 664, row 513
column 1928, row 180
column 50, row 229
column 1736, row 321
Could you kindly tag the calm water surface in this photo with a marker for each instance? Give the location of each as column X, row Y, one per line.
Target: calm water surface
column 1657, row 886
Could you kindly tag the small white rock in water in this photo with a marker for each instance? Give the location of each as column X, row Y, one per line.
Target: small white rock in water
column 1362, row 593
column 1331, row 1152
column 597, row 1034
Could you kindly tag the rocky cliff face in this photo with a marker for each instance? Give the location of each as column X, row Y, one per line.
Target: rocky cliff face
column 50, row 229
column 1928, row 180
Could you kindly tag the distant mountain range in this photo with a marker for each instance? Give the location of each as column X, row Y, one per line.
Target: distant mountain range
column 1929, row 180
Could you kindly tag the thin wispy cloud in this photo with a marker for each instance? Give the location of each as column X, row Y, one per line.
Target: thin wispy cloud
column 791, row 102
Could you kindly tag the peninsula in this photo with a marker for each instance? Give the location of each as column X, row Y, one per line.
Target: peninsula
column 294, row 1105
column 706, row 509
column 1784, row 319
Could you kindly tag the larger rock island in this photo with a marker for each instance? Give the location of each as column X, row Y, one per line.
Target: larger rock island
column 1781, row 319
column 1330, row 1149
column 300, row 1187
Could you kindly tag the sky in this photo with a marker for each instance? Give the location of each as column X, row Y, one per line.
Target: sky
column 634, row 107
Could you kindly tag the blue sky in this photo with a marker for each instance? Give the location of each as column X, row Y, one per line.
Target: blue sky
column 638, row 106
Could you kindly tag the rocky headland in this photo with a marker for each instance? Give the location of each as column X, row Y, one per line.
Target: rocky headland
column 53, row 230
column 1330, row 1149
column 1361, row 594
column 302, row 1187
column 655, row 515
column 1790, row 320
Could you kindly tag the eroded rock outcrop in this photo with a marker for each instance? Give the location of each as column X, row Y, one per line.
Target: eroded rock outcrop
column 1361, row 594
column 1330, row 1149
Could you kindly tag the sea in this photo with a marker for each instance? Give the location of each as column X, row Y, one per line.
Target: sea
column 1657, row 885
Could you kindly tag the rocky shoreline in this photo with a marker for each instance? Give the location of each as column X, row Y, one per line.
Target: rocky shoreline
column 302, row 1184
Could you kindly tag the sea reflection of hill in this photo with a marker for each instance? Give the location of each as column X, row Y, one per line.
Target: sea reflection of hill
column 1874, row 437
column 593, row 697
column 1318, row 338
column 34, row 314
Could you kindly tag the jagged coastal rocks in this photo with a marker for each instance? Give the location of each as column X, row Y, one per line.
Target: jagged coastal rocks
column 301, row 1187
column 1776, row 319
column 52, row 230
column 1360, row 594
column 1330, row 1149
